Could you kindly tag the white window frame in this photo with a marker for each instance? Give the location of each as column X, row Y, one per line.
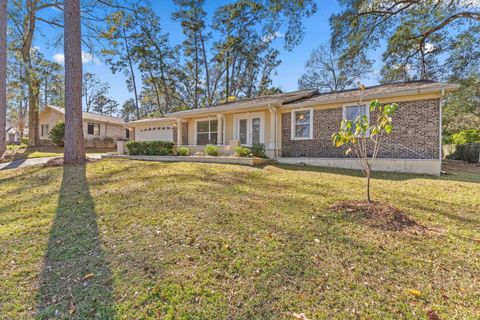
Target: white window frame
column 349, row 105
column 45, row 129
column 248, row 117
column 293, row 119
column 209, row 132
column 94, row 124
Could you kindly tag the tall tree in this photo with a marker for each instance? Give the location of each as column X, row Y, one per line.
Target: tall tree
column 3, row 74
column 155, row 56
column 105, row 105
column 119, row 33
column 51, row 80
column 74, row 143
column 412, row 30
column 24, row 15
column 326, row 72
column 92, row 88
column 192, row 17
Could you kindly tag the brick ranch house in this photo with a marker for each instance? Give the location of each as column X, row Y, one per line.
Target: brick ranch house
column 296, row 127
column 99, row 130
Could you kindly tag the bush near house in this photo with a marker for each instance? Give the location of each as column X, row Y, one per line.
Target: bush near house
column 182, row 151
column 211, row 150
column 258, row 150
column 242, row 152
column 150, row 148
column 57, row 134
column 465, row 136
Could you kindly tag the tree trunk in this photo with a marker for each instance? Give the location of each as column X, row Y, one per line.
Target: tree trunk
column 196, row 74
column 74, row 143
column 157, row 92
column 32, row 79
column 3, row 74
column 368, row 186
column 132, row 74
column 207, row 72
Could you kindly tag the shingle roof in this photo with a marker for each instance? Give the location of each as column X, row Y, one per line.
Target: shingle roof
column 312, row 97
column 378, row 91
column 146, row 120
column 274, row 99
column 94, row 116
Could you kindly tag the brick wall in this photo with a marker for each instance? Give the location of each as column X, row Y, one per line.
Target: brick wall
column 415, row 134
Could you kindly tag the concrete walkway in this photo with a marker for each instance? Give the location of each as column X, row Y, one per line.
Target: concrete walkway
column 37, row 161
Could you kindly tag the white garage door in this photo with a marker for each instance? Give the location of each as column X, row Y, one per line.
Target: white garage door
column 155, row 133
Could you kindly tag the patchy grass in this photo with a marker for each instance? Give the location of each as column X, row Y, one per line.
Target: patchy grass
column 140, row 240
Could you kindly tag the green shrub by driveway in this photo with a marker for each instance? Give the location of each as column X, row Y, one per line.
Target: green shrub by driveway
column 150, row 148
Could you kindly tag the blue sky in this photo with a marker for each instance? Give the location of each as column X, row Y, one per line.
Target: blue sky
column 317, row 31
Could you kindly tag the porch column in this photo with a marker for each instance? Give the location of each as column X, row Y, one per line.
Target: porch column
column 272, row 142
column 179, row 132
column 219, row 129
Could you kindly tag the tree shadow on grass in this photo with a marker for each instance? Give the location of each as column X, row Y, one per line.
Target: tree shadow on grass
column 76, row 282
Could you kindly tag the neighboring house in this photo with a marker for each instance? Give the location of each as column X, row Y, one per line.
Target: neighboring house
column 98, row 130
column 297, row 127
column 12, row 135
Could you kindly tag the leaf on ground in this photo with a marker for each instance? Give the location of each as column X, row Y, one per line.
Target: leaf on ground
column 414, row 292
column 88, row 276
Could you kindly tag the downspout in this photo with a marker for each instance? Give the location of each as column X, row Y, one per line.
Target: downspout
column 274, row 113
column 441, row 124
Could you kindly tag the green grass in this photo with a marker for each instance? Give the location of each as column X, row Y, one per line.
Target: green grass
column 122, row 239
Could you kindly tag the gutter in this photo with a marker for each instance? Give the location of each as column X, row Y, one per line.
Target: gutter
column 410, row 92
column 440, row 142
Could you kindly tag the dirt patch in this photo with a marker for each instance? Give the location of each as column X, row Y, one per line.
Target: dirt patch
column 377, row 215
column 58, row 162
column 455, row 166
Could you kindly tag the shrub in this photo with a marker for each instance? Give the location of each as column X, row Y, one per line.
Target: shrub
column 150, row 148
column 24, row 140
column 57, row 134
column 182, row 151
column 242, row 151
column 258, row 150
column 465, row 136
column 108, row 140
column 211, row 150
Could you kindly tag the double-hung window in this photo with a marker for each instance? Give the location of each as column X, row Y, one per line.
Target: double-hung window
column 302, row 124
column 44, row 128
column 353, row 112
column 93, row 129
column 207, row 132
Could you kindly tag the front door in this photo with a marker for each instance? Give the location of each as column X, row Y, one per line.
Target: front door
column 249, row 129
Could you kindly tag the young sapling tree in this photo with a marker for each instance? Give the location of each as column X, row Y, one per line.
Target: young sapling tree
column 363, row 136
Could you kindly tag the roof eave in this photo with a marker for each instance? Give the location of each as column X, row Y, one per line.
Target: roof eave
column 308, row 103
column 219, row 109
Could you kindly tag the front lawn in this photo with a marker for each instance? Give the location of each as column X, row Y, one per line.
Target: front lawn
column 141, row 240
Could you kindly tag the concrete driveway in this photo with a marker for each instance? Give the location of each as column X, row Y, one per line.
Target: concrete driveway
column 36, row 161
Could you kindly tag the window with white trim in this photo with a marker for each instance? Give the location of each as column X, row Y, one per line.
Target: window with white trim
column 93, row 129
column 207, row 132
column 44, row 128
column 302, row 124
column 352, row 112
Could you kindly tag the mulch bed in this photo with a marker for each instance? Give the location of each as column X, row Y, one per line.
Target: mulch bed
column 378, row 215
column 58, row 162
